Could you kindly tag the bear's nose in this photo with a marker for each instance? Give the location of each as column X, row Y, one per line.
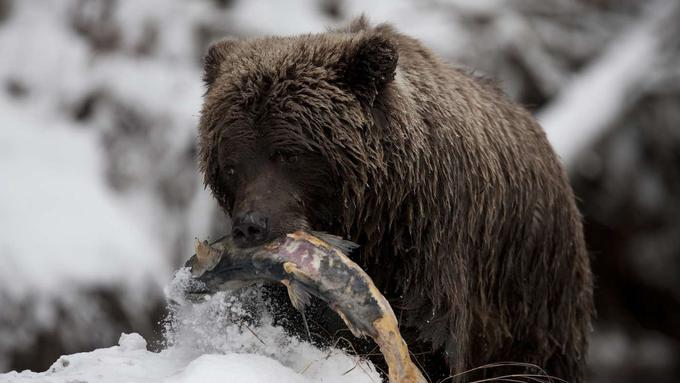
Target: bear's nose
column 250, row 229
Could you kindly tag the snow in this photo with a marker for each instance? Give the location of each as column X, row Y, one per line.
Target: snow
column 131, row 342
column 64, row 227
column 241, row 368
column 130, row 362
column 431, row 24
column 240, row 322
column 61, row 224
column 592, row 100
column 137, row 365
column 211, row 341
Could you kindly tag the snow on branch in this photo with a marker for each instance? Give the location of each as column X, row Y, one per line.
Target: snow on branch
column 603, row 90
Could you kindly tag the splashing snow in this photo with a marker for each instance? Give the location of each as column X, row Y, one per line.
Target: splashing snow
column 226, row 337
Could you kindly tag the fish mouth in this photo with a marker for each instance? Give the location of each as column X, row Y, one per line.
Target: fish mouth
column 214, row 281
column 227, row 278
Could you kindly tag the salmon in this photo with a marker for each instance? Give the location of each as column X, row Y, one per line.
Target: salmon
column 312, row 264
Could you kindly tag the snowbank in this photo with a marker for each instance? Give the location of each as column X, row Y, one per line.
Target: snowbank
column 225, row 338
column 130, row 362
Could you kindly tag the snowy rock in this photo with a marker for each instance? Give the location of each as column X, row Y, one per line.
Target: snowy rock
column 131, row 342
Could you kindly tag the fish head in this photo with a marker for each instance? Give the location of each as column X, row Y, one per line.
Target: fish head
column 223, row 266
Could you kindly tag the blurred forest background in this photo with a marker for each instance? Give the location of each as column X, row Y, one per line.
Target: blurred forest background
column 100, row 198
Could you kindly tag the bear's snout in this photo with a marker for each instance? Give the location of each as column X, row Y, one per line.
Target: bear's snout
column 250, row 229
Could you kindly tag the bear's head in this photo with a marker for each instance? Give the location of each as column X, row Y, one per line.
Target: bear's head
column 283, row 135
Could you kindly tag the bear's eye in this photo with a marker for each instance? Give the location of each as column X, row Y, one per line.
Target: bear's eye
column 230, row 172
column 285, row 158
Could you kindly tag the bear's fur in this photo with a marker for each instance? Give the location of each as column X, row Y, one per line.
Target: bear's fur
column 465, row 217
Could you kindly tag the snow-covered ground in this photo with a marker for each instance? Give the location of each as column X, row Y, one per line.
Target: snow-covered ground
column 225, row 338
column 130, row 362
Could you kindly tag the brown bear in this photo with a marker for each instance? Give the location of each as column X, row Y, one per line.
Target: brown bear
column 464, row 215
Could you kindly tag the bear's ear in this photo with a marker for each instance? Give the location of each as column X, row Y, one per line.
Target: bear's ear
column 371, row 65
column 217, row 53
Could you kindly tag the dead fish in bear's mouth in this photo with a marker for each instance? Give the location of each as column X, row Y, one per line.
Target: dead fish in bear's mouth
column 311, row 264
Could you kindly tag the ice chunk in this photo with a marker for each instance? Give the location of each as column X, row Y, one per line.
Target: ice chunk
column 131, row 342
